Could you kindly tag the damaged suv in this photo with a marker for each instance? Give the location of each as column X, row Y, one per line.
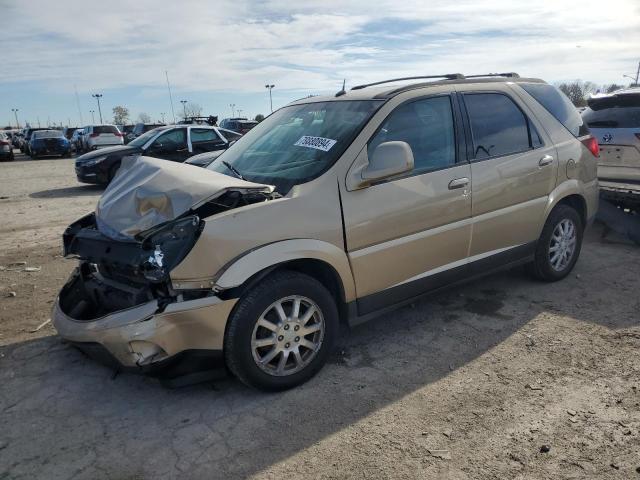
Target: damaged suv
column 333, row 209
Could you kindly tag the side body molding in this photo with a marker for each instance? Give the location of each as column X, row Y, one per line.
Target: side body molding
column 279, row 252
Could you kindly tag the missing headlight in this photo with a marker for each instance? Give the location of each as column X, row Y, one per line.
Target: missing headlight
column 166, row 246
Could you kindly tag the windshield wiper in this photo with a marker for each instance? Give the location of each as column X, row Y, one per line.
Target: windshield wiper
column 233, row 169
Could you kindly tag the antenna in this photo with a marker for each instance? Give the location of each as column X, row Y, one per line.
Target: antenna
column 343, row 91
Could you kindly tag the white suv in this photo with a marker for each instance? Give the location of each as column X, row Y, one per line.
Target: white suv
column 97, row 136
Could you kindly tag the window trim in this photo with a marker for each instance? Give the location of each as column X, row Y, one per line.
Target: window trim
column 458, row 134
column 469, row 132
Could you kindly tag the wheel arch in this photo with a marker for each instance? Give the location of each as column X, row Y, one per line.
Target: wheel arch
column 323, row 261
column 568, row 193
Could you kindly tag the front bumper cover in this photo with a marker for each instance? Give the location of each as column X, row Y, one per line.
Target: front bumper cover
column 143, row 336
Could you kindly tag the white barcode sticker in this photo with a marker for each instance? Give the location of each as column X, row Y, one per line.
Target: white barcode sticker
column 318, row 143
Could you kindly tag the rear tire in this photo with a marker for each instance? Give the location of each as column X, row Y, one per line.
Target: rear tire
column 559, row 245
column 272, row 344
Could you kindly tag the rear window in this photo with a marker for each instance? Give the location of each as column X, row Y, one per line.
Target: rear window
column 618, row 111
column 558, row 105
column 47, row 134
column 105, row 129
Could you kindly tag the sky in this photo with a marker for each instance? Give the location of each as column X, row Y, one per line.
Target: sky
column 218, row 53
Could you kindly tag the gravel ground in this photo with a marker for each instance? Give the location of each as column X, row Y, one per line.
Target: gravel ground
column 502, row 378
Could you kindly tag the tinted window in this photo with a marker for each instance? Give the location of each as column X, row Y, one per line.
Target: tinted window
column 427, row 126
column 105, row 129
column 619, row 111
column 171, row 140
column 498, row 126
column 229, row 135
column 204, row 135
column 558, row 105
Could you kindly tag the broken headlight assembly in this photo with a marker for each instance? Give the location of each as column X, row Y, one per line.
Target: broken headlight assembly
column 166, row 246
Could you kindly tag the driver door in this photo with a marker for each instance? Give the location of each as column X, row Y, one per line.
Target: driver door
column 411, row 234
column 171, row 145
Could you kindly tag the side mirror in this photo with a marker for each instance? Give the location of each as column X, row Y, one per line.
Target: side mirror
column 388, row 159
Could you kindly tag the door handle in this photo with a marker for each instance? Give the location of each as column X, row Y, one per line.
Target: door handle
column 458, row 183
column 546, row 160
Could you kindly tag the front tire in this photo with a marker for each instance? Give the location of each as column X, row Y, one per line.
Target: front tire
column 559, row 245
column 281, row 331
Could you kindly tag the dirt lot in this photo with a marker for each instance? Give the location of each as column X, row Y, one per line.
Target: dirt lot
column 502, row 378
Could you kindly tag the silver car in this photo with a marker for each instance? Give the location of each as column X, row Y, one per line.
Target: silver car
column 614, row 119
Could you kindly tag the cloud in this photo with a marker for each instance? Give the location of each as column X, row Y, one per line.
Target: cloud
column 310, row 45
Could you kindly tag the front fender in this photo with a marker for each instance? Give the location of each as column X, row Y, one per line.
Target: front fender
column 244, row 267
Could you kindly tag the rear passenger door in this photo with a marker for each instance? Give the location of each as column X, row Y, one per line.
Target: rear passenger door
column 513, row 170
column 411, row 233
column 171, row 145
column 205, row 140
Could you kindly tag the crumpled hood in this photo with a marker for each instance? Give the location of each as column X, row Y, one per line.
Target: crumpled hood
column 148, row 191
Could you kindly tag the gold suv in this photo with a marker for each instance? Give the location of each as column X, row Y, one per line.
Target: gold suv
column 331, row 210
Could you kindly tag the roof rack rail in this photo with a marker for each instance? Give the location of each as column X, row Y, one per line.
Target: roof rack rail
column 448, row 76
column 506, row 74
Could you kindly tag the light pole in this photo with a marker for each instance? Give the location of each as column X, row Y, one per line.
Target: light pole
column 270, row 87
column 233, row 106
column 162, row 115
column 239, row 112
column 184, row 108
column 93, row 120
column 15, row 112
column 637, row 77
column 98, row 96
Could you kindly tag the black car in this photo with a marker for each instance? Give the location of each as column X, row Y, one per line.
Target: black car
column 68, row 132
column 49, row 143
column 175, row 143
column 140, row 128
column 239, row 125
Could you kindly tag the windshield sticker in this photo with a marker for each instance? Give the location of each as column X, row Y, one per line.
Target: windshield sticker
column 318, row 143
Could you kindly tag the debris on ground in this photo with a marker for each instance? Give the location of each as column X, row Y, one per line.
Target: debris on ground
column 32, row 269
column 39, row 327
column 442, row 454
column 545, row 448
column 12, row 294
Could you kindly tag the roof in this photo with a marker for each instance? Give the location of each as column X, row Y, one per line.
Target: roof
column 376, row 91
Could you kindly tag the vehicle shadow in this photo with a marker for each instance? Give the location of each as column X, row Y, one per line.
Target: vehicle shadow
column 67, row 192
column 130, row 424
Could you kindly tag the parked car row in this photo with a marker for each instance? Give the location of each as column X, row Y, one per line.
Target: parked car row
column 175, row 143
column 6, row 147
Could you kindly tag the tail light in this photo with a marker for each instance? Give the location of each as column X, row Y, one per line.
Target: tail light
column 592, row 144
column 94, row 135
column 4, row 142
column 118, row 134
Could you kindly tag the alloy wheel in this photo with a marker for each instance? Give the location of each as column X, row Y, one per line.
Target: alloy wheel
column 562, row 245
column 287, row 336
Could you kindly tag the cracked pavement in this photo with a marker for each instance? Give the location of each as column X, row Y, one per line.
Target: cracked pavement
column 467, row 384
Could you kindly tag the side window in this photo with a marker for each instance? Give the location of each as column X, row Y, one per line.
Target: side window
column 171, row 140
column 427, row 126
column 201, row 135
column 498, row 126
column 229, row 135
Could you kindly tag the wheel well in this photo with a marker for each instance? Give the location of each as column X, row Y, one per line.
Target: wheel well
column 317, row 269
column 578, row 204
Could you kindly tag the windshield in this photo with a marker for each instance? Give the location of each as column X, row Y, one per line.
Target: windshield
column 297, row 143
column 145, row 137
column 47, row 134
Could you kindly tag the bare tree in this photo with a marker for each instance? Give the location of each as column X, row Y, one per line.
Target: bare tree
column 144, row 118
column 577, row 91
column 192, row 109
column 120, row 115
column 611, row 88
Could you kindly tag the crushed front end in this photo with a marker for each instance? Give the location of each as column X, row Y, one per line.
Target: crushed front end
column 119, row 304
